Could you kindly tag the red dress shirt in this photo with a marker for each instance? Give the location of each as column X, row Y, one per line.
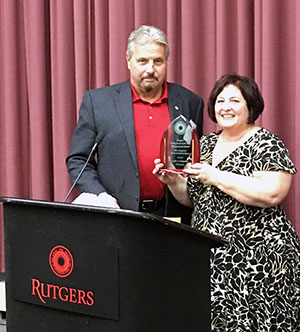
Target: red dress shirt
column 150, row 121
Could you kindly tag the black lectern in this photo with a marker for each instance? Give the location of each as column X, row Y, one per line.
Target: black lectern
column 82, row 268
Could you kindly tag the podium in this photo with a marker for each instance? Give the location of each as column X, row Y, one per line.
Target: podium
column 83, row 268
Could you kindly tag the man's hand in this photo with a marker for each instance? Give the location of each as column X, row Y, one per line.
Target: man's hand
column 103, row 199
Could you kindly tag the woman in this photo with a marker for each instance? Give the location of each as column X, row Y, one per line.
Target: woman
column 236, row 190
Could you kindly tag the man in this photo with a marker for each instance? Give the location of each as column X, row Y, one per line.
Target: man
column 128, row 120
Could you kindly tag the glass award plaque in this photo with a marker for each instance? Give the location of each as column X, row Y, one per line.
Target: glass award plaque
column 179, row 145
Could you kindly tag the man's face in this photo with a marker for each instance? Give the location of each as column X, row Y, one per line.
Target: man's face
column 148, row 68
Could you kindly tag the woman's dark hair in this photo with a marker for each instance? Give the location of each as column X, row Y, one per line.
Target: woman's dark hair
column 249, row 90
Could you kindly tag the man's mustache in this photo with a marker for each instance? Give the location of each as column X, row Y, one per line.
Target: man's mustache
column 150, row 76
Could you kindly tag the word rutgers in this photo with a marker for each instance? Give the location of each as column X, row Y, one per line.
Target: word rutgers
column 65, row 294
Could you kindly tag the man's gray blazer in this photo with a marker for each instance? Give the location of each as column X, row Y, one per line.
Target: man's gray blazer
column 108, row 113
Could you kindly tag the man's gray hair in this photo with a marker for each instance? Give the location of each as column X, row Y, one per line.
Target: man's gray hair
column 147, row 34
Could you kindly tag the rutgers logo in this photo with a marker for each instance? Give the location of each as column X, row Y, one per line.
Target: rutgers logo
column 61, row 261
column 62, row 264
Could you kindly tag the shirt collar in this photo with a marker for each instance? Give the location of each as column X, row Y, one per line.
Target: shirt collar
column 164, row 95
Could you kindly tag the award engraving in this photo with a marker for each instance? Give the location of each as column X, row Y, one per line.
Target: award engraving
column 179, row 145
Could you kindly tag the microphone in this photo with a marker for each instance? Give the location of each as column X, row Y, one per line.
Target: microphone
column 97, row 140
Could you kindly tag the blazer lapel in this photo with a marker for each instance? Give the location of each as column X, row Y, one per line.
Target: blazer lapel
column 123, row 103
column 175, row 102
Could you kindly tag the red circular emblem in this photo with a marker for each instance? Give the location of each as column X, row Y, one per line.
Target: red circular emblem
column 61, row 261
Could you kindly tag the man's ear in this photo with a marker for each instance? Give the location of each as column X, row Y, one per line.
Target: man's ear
column 128, row 62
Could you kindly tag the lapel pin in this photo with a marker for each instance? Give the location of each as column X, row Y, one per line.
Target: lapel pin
column 176, row 108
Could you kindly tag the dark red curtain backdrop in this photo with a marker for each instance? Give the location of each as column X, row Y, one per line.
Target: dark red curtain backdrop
column 51, row 51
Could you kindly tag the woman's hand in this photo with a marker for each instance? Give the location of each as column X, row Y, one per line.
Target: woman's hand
column 205, row 173
column 175, row 181
column 167, row 178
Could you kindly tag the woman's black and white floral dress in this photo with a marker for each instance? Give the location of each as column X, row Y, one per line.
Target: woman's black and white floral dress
column 255, row 281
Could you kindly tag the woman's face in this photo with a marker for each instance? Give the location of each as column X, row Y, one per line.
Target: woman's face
column 231, row 108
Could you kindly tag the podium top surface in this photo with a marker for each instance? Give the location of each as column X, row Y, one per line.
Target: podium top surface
column 217, row 240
